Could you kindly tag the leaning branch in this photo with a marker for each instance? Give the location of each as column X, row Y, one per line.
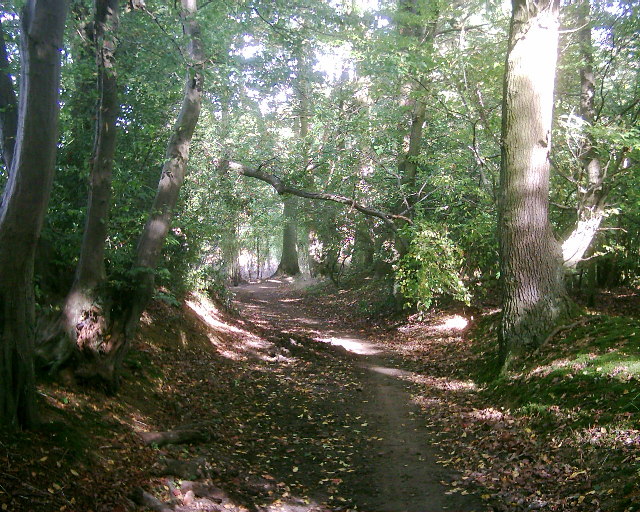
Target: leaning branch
column 281, row 188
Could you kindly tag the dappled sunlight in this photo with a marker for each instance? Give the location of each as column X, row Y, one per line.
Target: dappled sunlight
column 146, row 319
column 445, row 383
column 489, row 414
column 353, row 345
column 242, row 343
column 609, row 437
column 391, row 372
column 453, row 323
column 208, row 314
column 306, row 321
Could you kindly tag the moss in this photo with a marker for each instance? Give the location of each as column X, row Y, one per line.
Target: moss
column 590, row 373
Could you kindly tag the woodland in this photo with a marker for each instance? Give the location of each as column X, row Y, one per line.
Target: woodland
column 224, row 224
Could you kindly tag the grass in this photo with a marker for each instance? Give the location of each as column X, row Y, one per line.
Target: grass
column 593, row 373
column 579, row 395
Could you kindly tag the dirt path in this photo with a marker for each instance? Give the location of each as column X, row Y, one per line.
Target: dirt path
column 396, row 470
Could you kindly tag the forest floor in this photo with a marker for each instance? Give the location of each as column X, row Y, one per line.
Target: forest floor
column 299, row 402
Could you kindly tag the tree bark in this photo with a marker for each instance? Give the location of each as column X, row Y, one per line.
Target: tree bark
column 25, row 202
column 8, row 106
column 84, row 321
column 592, row 191
column 289, row 265
column 534, row 297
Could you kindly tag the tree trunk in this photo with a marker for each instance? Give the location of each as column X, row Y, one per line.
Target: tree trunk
column 534, row 299
column 85, row 316
column 592, row 194
column 25, row 202
column 171, row 179
column 289, row 261
column 413, row 26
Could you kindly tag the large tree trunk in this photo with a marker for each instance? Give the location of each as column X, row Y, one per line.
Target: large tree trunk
column 591, row 192
column 85, row 316
column 24, row 204
column 534, row 298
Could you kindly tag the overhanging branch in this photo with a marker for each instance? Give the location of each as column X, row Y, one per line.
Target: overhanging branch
column 282, row 188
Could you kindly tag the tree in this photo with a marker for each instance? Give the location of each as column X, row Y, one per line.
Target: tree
column 24, row 203
column 534, row 296
column 171, row 179
column 289, row 264
column 419, row 31
column 83, row 317
column 96, row 327
column 592, row 190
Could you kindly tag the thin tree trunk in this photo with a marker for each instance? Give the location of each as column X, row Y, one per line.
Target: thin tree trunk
column 25, row 202
column 422, row 31
column 591, row 195
column 289, row 265
column 534, row 298
column 171, row 179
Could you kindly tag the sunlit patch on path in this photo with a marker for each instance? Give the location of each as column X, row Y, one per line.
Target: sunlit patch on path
column 353, row 345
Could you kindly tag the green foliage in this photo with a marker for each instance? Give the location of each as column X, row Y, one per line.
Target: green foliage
column 167, row 298
column 431, row 268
